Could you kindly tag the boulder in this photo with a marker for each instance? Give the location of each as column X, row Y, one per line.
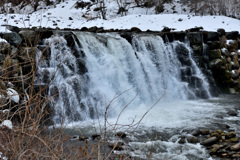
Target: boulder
column 235, row 147
column 232, row 35
column 12, row 37
column 192, row 140
column 213, row 36
column 214, row 54
column 135, row 29
column 209, row 141
column 96, row 136
column 195, row 38
column 182, row 141
column 116, row 146
column 204, row 132
column 225, row 52
column 221, row 31
column 216, row 63
column 230, row 135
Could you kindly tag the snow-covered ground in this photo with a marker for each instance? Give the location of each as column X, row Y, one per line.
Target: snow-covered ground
column 65, row 15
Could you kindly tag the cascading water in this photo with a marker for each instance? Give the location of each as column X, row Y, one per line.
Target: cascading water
column 107, row 65
column 85, row 77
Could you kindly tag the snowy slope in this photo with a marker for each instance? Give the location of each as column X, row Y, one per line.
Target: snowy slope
column 65, row 15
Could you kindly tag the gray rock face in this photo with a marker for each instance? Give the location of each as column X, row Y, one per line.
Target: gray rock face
column 195, row 38
column 13, row 38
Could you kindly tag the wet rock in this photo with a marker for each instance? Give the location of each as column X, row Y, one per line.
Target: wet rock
column 214, row 54
column 204, row 132
column 93, row 29
column 234, row 140
column 182, row 140
column 121, row 134
column 215, row 134
column 230, row 135
column 209, row 141
column 116, row 146
column 235, row 147
column 216, row 63
column 13, row 38
column 215, row 148
column 232, row 113
column 226, row 53
column 195, row 38
column 213, row 36
column 196, row 133
column 192, row 140
column 82, row 138
column 236, row 155
column 96, row 136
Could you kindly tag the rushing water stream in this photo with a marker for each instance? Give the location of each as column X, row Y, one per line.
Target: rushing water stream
column 107, row 71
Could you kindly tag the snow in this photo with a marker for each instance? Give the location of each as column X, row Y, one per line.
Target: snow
column 60, row 16
column 13, row 95
column 7, row 123
column 4, row 30
column 3, row 40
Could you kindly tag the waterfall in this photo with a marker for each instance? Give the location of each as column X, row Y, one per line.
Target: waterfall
column 106, row 66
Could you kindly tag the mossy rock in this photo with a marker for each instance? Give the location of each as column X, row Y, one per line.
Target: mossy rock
column 215, row 54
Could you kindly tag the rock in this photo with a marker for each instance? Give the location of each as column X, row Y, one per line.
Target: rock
column 235, row 147
column 116, row 146
column 236, row 156
column 196, row 29
column 204, row 132
column 232, row 113
column 221, row 31
column 82, row 138
column 93, row 29
column 230, row 135
column 7, row 123
column 216, row 63
column 196, row 133
column 13, row 95
column 135, row 29
column 215, row 134
column 182, row 141
column 96, row 136
column 215, row 148
column 209, row 141
column 232, row 35
column 30, row 37
column 225, row 52
column 13, row 38
column 214, row 54
column 192, row 140
column 214, row 45
column 195, row 38
column 213, row 36
column 121, row 134
column 234, row 140
column 4, row 45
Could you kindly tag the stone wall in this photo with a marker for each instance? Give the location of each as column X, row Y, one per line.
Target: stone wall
column 217, row 53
